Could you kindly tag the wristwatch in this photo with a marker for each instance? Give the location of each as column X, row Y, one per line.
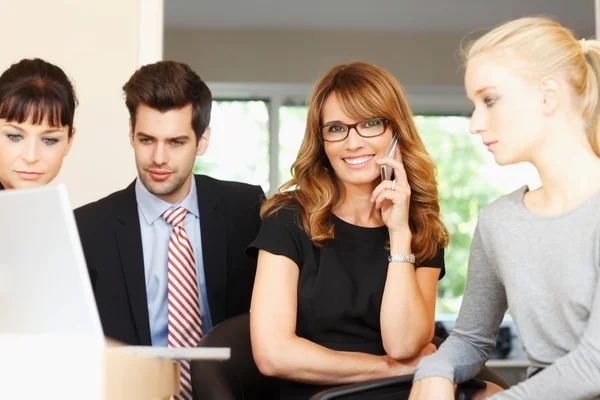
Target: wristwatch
column 409, row 258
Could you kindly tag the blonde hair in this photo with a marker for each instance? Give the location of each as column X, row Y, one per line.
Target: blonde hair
column 365, row 91
column 538, row 47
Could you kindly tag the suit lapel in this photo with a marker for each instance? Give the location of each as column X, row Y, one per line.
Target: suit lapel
column 129, row 242
column 214, row 247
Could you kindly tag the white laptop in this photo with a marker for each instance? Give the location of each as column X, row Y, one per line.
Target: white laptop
column 44, row 284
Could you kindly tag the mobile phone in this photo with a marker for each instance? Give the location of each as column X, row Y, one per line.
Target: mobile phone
column 387, row 172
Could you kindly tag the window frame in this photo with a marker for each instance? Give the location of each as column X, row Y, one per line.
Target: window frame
column 424, row 100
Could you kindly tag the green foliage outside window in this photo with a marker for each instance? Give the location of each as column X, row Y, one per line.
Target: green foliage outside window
column 239, row 151
column 463, row 191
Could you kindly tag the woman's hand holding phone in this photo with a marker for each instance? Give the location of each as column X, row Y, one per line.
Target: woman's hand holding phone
column 392, row 195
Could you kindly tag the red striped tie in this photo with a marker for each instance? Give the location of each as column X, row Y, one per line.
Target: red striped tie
column 185, row 325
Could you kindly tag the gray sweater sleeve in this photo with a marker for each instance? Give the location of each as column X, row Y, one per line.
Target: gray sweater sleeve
column 574, row 376
column 467, row 348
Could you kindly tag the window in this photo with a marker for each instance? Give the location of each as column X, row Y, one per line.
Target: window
column 292, row 125
column 257, row 141
column 462, row 192
column 468, row 179
column 239, row 143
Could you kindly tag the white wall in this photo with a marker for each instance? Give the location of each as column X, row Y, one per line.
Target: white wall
column 99, row 45
column 302, row 56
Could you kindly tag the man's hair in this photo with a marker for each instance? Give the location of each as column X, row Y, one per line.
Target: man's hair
column 169, row 85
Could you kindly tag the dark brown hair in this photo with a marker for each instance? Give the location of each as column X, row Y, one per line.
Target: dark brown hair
column 38, row 90
column 169, row 85
column 365, row 91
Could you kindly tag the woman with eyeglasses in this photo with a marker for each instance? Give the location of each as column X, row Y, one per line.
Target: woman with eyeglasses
column 348, row 263
column 37, row 108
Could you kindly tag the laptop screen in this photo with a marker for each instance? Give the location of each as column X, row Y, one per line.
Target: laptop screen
column 44, row 283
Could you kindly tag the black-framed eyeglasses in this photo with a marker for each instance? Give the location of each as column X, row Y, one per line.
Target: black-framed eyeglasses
column 337, row 131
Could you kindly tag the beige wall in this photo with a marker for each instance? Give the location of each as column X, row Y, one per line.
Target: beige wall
column 300, row 57
column 597, row 17
column 97, row 43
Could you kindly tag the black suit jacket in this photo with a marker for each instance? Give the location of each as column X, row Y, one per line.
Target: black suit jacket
column 111, row 238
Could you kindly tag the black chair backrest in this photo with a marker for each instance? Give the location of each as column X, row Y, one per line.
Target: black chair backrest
column 237, row 378
column 395, row 388
column 398, row 388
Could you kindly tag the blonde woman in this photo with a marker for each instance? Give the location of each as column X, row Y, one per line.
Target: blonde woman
column 537, row 252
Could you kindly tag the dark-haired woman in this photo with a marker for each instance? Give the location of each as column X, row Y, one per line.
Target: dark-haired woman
column 37, row 107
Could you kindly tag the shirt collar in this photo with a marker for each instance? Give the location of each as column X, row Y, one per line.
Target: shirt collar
column 153, row 207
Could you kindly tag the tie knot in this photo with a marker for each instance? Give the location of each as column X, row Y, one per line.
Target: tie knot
column 175, row 216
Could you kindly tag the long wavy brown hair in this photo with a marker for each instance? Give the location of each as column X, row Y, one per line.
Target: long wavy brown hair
column 364, row 91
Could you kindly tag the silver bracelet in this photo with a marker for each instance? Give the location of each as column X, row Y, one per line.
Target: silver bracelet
column 402, row 258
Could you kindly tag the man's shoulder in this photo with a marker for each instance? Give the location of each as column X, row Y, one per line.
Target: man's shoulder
column 230, row 190
column 104, row 207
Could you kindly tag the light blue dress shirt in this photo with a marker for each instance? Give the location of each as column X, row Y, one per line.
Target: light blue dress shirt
column 155, row 242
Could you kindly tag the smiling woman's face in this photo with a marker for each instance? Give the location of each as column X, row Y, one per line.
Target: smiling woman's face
column 353, row 159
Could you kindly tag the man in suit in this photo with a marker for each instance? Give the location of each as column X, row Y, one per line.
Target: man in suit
column 141, row 255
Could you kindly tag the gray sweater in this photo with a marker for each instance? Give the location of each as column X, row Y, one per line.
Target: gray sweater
column 546, row 270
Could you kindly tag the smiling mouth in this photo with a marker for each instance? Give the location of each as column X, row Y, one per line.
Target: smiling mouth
column 358, row 160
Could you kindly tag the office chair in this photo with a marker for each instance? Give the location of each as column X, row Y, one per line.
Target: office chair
column 239, row 378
